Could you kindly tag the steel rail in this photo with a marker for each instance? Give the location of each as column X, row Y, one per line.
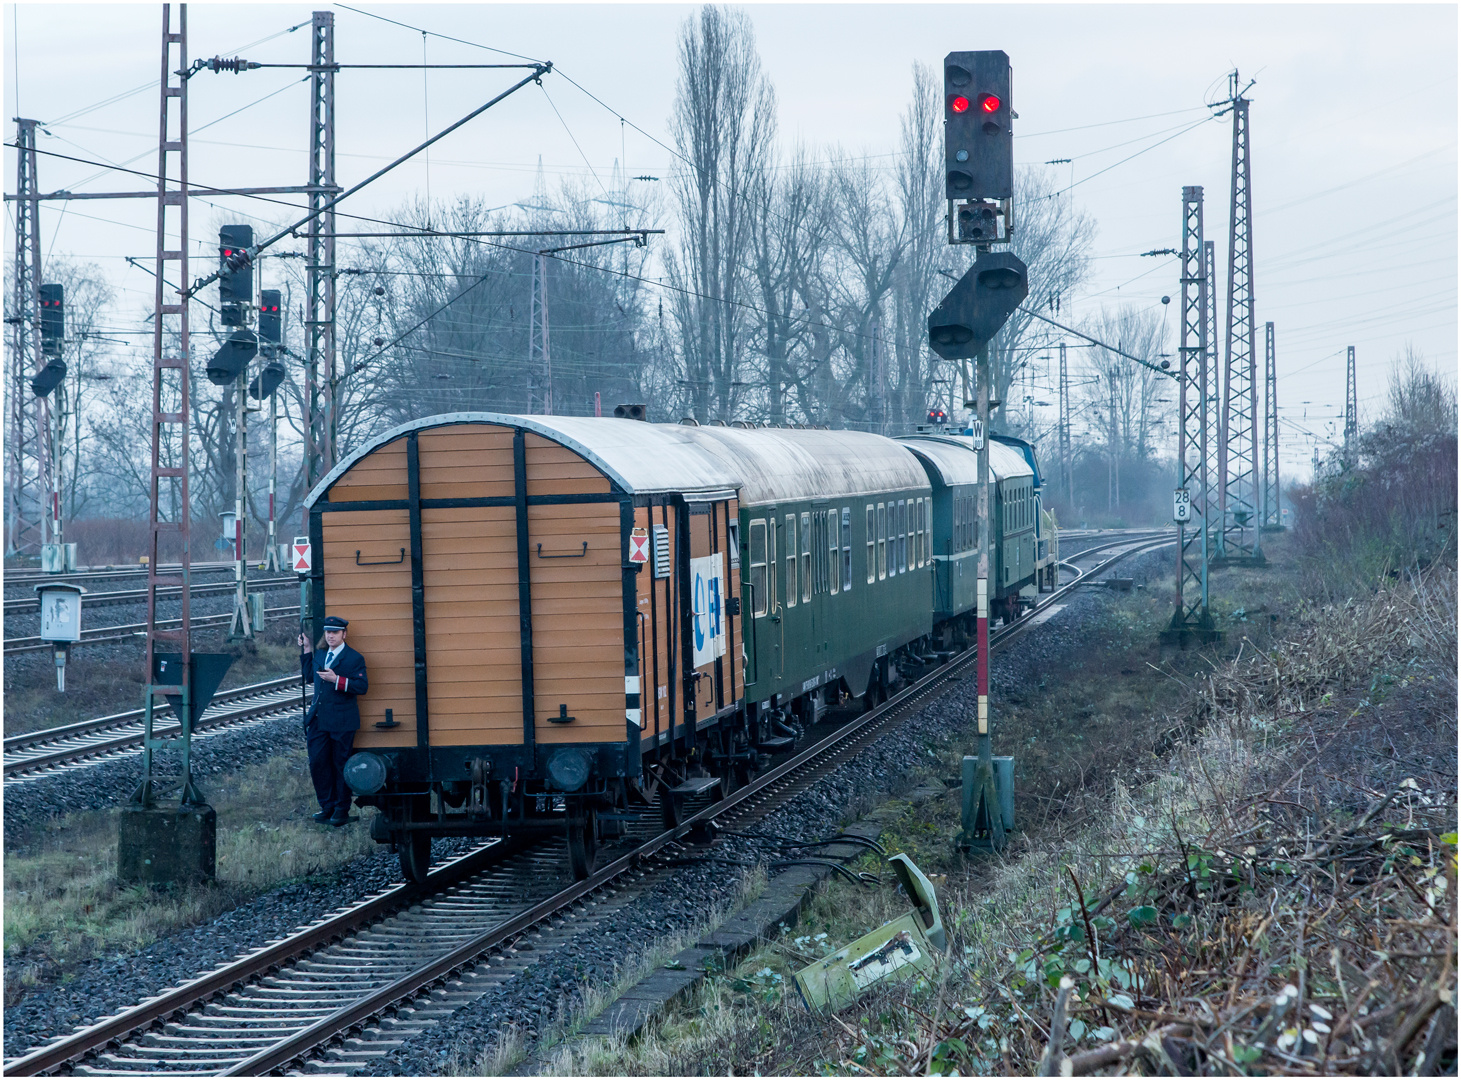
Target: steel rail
column 101, row 723
column 100, row 747
column 203, row 988
column 104, row 634
column 24, row 605
column 26, row 577
column 860, row 730
column 846, row 740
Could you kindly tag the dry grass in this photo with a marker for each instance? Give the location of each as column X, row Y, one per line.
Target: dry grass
column 1276, row 895
column 63, row 904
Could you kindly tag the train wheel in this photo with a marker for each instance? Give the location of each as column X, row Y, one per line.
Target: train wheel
column 415, row 852
column 583, row 843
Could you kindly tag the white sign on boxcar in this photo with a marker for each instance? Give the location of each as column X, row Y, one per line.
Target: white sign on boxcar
column 707, row 585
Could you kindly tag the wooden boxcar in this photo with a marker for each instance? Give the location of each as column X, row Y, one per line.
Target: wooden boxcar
column 569, row 620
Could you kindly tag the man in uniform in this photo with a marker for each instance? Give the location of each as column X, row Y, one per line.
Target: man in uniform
column 333, row 717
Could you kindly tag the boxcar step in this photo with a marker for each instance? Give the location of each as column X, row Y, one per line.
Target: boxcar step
column 775, row 744
column 696, row 785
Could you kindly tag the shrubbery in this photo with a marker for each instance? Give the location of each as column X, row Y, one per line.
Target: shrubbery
column 1393, row 508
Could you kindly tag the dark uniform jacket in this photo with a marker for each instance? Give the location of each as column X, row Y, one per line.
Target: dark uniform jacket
column 335, row 710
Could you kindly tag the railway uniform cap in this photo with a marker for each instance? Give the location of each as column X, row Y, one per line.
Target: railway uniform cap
column 334, row 622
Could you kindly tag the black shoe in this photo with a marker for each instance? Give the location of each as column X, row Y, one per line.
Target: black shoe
column 323, row 817
column 341, row 817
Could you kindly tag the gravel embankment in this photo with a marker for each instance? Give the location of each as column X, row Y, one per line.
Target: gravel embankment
column 676, row 903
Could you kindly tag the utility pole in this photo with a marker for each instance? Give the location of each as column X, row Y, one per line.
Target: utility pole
column 171, row 406
column 27, row 415
column 1067, row 482
column 540, row 361
column 1272, row 516
column 322, row 428
column 1239, row 480
column 1211, row 391
column 1190, row 616
column 1351, row 412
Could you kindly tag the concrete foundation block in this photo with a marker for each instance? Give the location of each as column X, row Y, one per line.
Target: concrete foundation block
column 167, row 845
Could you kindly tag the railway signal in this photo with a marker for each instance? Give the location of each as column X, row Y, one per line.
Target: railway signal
column 53, row 334
column 53, row 319
column 229, row 362
column 979, row 152
column 978, row 305
column 271, row 326
column 235, row 274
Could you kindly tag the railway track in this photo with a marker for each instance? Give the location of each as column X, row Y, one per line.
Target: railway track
column 103, row 634
column 37, row 753
column 419, row 950
column 110, row 573
column 27, row 605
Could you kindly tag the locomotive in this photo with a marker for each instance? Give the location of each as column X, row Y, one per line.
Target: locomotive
column 574, row 622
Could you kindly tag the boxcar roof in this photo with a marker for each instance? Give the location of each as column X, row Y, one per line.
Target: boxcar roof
column 766, row 464
column 783, row 464
column 639, row 457
column 954, row 458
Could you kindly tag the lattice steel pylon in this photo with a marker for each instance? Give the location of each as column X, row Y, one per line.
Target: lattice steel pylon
column 1190, row 614
column 1067, row 481
column 1272, row 516
column 1212, row 394
column 540, row 357
column 1238, row 482
column 323, row 428
column 1351, row 411
column 27, row 417
column 168, row 487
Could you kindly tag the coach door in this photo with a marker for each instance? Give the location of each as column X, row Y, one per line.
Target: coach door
column 712, row 588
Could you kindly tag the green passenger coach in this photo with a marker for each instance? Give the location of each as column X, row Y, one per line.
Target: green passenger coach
column 836, row 546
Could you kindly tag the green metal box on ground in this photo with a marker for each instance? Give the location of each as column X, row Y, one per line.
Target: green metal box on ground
column 899, row 949
column 166, row 845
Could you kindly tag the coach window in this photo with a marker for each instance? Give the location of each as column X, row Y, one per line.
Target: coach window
column 846, row 549
column 922, row 532
column 872, row 540
column 807, row 557
column 882, row 541
column 902, row 529
column 789, row 543
column 758, row 567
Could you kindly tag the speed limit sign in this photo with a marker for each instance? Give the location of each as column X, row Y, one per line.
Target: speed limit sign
column 1181, row 506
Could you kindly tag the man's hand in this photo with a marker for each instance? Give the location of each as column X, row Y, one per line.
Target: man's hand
column 304, row 644
column 330, row 677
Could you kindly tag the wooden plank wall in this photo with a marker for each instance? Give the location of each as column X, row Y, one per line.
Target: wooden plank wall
column 377, row 602
column 469, row 562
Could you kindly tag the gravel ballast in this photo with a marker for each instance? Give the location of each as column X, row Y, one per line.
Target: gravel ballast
column 675, row 904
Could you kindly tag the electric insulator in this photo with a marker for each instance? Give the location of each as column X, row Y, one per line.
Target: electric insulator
column 233, row 64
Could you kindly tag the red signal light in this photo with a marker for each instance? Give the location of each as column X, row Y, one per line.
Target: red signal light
column 990, row 103
column 959, row 104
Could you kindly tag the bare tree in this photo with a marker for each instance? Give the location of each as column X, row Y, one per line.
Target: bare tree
column 1054, row 240
column 921, row 204
column 791, row 229
column 724, row 124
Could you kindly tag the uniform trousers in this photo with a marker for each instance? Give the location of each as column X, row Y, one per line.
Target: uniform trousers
column 328, row 752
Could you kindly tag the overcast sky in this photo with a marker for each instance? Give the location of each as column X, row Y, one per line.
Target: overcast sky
column 1354, row 124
